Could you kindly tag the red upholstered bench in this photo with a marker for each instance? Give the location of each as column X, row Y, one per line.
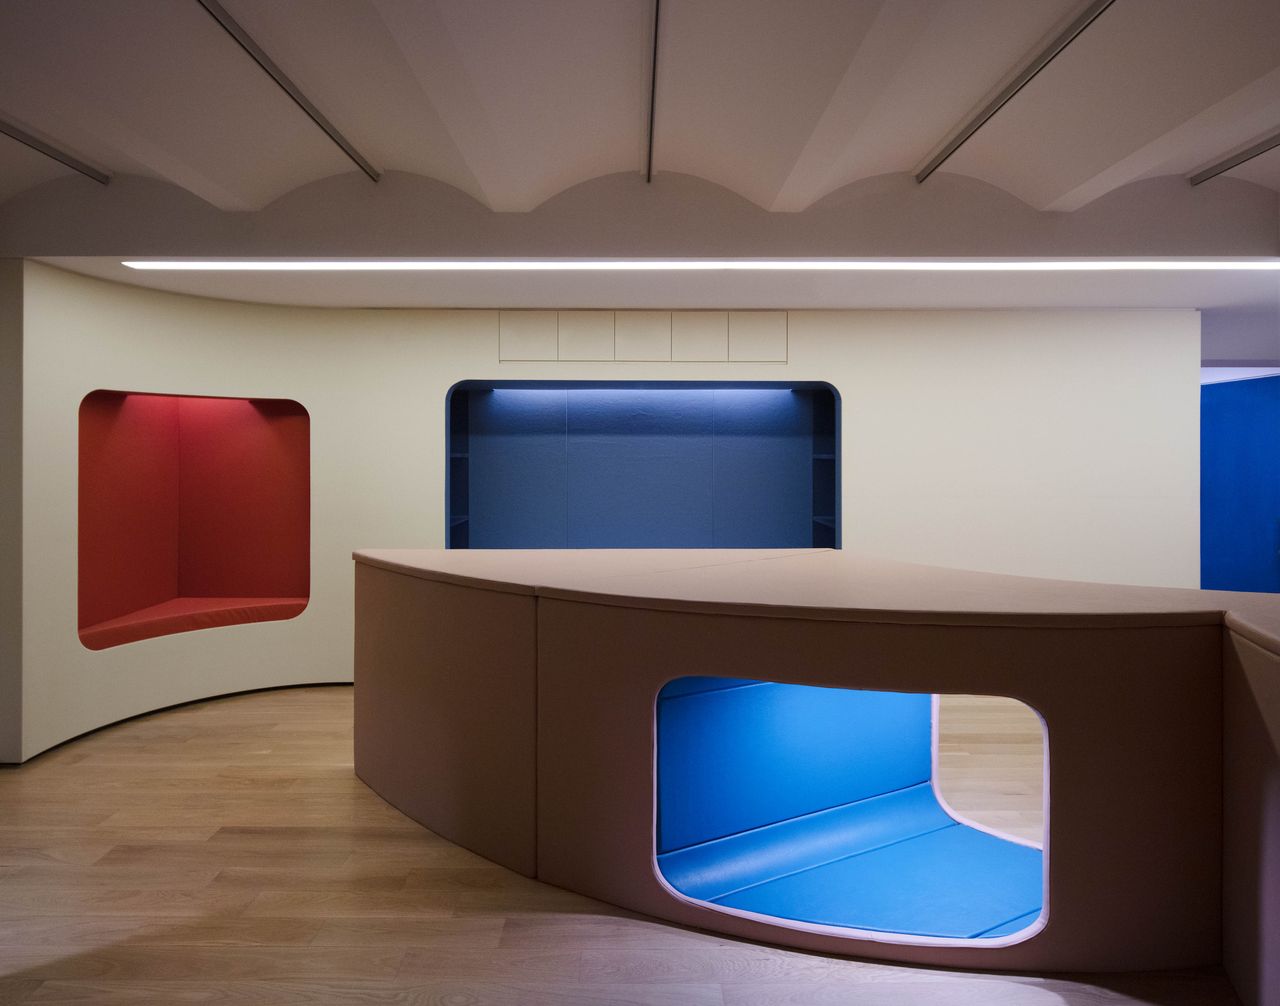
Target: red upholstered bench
column 184, row 614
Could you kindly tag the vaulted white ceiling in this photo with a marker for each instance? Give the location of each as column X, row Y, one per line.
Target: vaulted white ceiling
column 514, row 101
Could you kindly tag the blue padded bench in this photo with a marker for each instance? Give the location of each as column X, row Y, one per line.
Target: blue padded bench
column 816, row 805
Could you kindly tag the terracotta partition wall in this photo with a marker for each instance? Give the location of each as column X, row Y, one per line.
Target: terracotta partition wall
column 1116, row 745
column 471, row 666
column 1251, row 804
column 447, row 687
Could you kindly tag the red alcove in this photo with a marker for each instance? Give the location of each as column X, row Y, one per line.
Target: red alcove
column 194, row 513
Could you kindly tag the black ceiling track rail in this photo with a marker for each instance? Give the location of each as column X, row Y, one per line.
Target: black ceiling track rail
column 1235, row 160
column 256, row 53
column 653, row 89
column 49, row 150
column 1024, row 77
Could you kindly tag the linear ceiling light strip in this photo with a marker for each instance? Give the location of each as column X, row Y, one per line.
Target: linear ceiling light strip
column 1235, row 160
column 653, row 89
column 35, row 143
column 1028, row 73
column 707, row 265
column 233, row 28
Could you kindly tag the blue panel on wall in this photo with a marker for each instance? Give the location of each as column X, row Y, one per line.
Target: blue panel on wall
column 1240, row 485
column 740, row 758
column 638, row 466
column 763, row 468
column 517, row 469
column 641, row 469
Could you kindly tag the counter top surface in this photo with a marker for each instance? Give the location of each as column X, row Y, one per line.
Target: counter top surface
column 828, row 584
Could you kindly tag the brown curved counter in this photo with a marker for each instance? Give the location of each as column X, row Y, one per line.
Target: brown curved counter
column 505, row 699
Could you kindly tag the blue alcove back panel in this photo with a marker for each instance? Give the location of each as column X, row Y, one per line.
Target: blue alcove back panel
column 631, row 467
column 1240, row 485
column 732, row 757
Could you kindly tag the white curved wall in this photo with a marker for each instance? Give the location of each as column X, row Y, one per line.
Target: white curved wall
column 1053, row 443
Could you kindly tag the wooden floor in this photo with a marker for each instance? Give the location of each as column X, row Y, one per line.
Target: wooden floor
column 223, row 852
column 991, row 763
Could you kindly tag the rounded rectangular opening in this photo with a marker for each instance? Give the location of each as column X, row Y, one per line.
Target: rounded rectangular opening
column 820, row 808
column 633, row 464
column 193, row 513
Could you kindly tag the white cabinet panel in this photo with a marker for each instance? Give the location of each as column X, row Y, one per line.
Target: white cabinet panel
column 642, row 335
column 700, row 335
column 586, row 335
column 528, row 335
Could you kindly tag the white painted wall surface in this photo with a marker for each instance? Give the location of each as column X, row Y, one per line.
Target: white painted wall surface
column 1050, row 443
column 1044, row 443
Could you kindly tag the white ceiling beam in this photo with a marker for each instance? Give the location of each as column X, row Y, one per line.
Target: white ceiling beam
column 21, row 168
column 897, row 29
column 116, row 142
column 422, row 37
column 1238, row 119
column 124, row 147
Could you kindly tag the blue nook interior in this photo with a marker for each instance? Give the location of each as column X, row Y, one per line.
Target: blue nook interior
column 816, row 805
column 542, row 464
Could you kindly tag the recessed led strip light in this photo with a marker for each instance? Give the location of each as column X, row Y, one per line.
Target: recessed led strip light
column 707, row 265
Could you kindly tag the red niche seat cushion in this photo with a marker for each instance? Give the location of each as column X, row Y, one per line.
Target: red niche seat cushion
column 182, row 614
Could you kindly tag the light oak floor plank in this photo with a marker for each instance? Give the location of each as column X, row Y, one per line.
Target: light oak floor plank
column 224, row 852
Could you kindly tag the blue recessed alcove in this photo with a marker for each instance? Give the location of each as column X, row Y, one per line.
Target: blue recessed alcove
column 816, row 806
column 544, row 464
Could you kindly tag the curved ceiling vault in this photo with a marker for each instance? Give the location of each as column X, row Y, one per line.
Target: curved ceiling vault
column 782, row 103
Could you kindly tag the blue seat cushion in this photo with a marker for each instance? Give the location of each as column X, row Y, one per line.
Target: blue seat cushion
column 717, row 869
column 896, row 863
column 956, row 882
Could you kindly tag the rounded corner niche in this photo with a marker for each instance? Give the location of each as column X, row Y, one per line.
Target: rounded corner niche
column 819, row 809
column 643, row 464
column 194, row 512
